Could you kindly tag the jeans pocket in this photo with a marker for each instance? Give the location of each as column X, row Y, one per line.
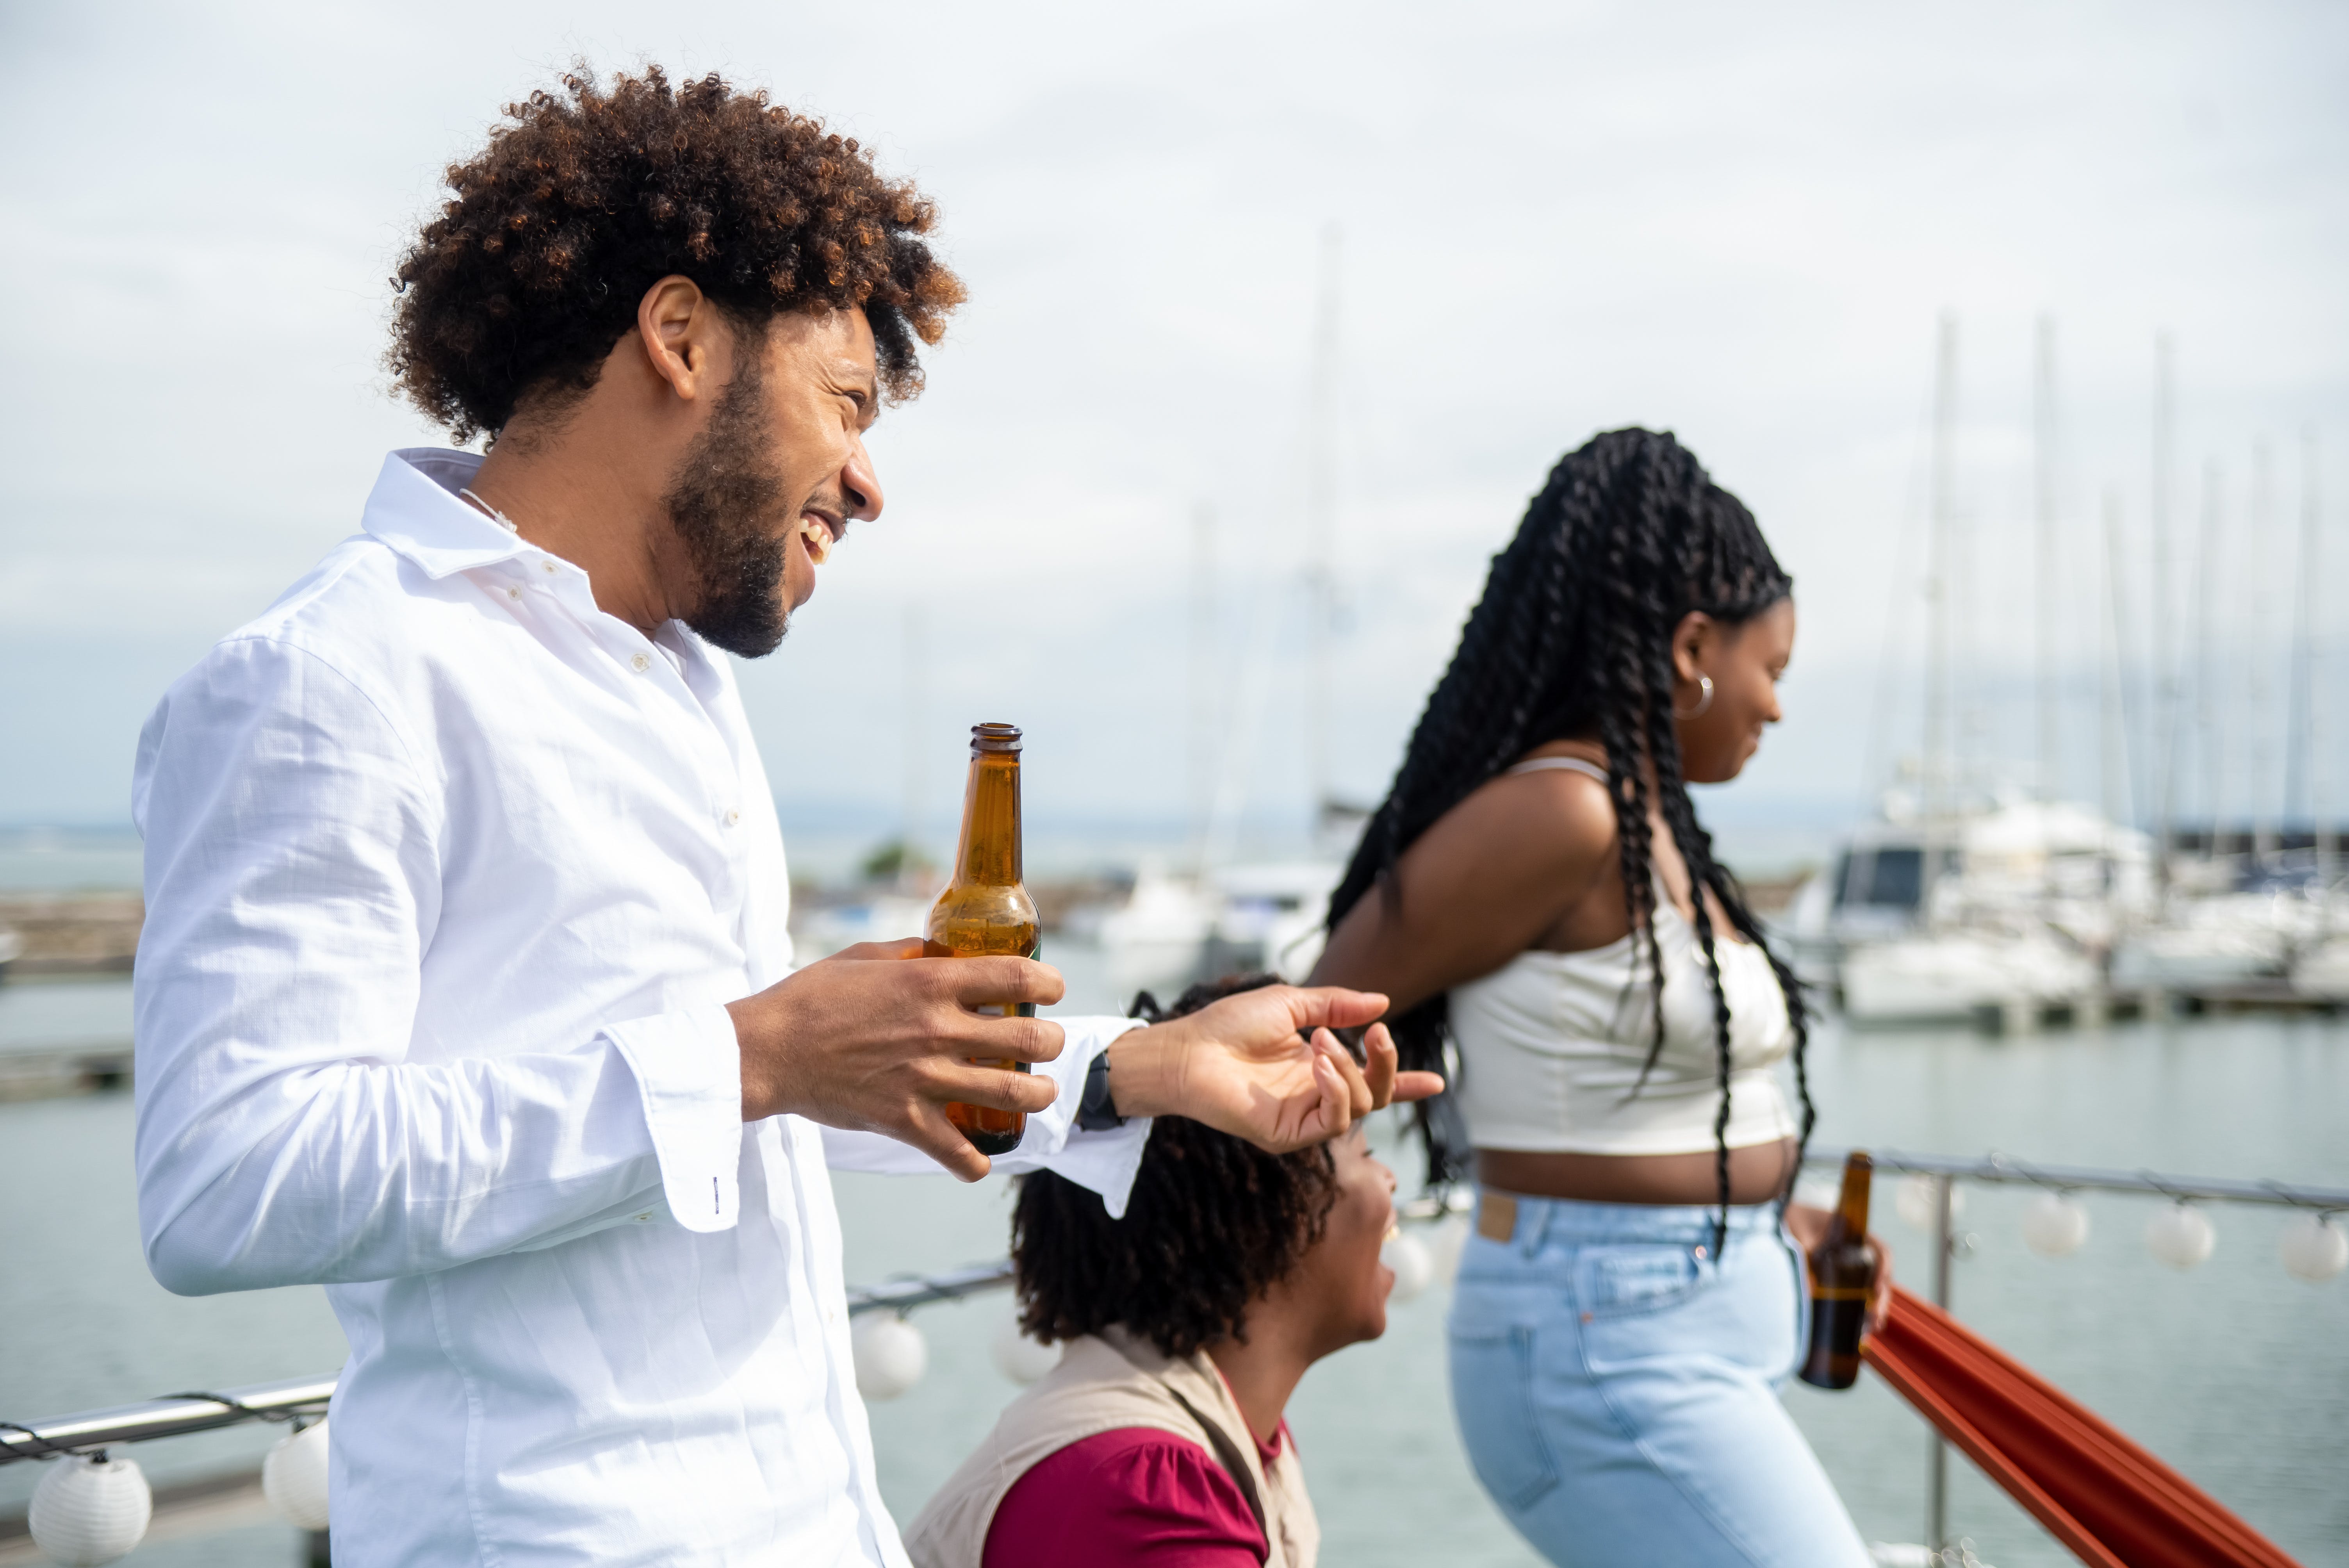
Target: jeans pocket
column 1630, row 1298
column 1493, row 1397
column 1618, row 1281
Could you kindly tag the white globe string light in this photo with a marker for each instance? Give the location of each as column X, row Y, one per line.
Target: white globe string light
column 90, row 1509
column 2181, row 1236
column 890, row 1354
column 1413, row 1264
column 2054, row 1225
column 293, row 1477
column 1918, row 1201
column 2313, row 1248
column 1019, row 1357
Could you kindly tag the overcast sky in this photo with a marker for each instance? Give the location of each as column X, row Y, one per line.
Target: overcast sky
column 1739, row 223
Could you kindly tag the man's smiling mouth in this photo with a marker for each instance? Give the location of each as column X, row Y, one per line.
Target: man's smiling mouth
column 820, row 533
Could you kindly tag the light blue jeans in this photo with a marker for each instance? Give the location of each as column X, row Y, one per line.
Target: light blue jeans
column 1616, row 1386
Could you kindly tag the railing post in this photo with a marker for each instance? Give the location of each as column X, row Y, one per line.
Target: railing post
column 1936, row 1490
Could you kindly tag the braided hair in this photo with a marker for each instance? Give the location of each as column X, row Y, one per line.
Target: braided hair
column 1572, row 638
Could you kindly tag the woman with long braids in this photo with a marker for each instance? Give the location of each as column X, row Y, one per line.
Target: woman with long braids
column 1536, row 890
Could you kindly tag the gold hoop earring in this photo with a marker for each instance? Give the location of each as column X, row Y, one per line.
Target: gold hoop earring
column 1704, row 685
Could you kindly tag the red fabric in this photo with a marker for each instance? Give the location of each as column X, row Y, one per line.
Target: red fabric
column 2114, row 1504
column 1134, row 1495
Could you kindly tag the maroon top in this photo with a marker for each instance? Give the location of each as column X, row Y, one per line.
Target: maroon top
column 1136, row 1494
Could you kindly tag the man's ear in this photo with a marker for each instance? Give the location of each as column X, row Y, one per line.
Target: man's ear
column 680, row 330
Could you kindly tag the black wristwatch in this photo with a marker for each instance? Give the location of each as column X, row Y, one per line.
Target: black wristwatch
column 1096, row 1112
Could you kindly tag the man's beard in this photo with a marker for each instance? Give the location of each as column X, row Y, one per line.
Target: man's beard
column 727, row 503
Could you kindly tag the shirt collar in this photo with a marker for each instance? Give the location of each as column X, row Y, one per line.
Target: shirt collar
column 415, row 509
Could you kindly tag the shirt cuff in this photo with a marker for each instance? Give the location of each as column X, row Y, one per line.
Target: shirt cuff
column 688, row 1067
column 1105, row 1162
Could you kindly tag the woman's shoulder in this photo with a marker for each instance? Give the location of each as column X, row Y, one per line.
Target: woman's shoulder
column 1553, row 805
column 1121, row 1496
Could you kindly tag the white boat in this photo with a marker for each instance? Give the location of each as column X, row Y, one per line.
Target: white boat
column 2322, row 974
column 1271, row 916
column 1155, row 938
column 2005, row 912
column 820, row 932
column 2016, row 975
column 2059, row 863
column 2231, row 939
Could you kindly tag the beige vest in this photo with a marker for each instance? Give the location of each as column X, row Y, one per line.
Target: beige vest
column 1102, row 1384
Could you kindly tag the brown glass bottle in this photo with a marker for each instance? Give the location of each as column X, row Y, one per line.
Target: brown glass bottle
column 985, row 911
column 1843, row 1273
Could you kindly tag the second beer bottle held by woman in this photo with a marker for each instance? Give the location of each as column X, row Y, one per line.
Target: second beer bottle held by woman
column 985, row 911
column 1843, row 1275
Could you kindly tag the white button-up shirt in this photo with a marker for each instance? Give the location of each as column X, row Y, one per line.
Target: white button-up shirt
column 448, row 877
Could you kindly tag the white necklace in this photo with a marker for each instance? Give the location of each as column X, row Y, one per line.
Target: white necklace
column 501, row 518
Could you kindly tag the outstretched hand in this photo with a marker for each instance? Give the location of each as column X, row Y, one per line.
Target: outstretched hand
column 1263, row 1065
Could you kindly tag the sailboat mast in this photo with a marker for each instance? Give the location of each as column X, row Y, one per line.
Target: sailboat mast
column 2043, row 453
column 1938, row 716
column 2312, row 712
column 1201, row 628
column 2263, row 692
column 2119, row 800
column 2163, row 671
column 2209, row 708
column 1320, row 524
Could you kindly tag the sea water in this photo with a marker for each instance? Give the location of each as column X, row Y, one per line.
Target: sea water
column 2236, row 1373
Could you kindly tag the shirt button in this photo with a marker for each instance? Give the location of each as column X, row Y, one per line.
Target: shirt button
column 546, row 565
column 640, row 664
column 733, row 816
column 514, row 592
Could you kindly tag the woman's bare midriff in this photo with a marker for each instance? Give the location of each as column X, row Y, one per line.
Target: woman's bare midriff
column 1758, row 1174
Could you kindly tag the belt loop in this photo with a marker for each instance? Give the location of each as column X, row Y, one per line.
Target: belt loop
column 1533, row 1224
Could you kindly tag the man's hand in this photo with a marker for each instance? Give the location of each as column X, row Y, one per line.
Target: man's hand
column 1262, row 1065
column 877, row 1039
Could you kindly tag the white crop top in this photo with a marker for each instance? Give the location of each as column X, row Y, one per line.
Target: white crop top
column 1551, row 1043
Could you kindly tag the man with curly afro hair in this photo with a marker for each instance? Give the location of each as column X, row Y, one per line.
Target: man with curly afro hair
column 466, row 989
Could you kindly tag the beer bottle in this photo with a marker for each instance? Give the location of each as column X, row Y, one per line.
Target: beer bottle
column 985, row 910
column 1843, row 1273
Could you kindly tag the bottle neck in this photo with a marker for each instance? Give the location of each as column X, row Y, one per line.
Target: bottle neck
column 988, row 854
column 1851, row 1207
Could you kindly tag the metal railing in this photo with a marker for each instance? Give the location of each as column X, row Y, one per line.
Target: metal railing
column 1945, row 1172
column 1996, row 1167
column 175, row 1415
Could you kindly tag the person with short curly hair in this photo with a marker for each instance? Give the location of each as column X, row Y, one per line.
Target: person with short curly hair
column 1188, row 1321
column 466, row 988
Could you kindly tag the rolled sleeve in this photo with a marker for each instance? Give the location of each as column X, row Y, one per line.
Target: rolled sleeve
column 688, row 1067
